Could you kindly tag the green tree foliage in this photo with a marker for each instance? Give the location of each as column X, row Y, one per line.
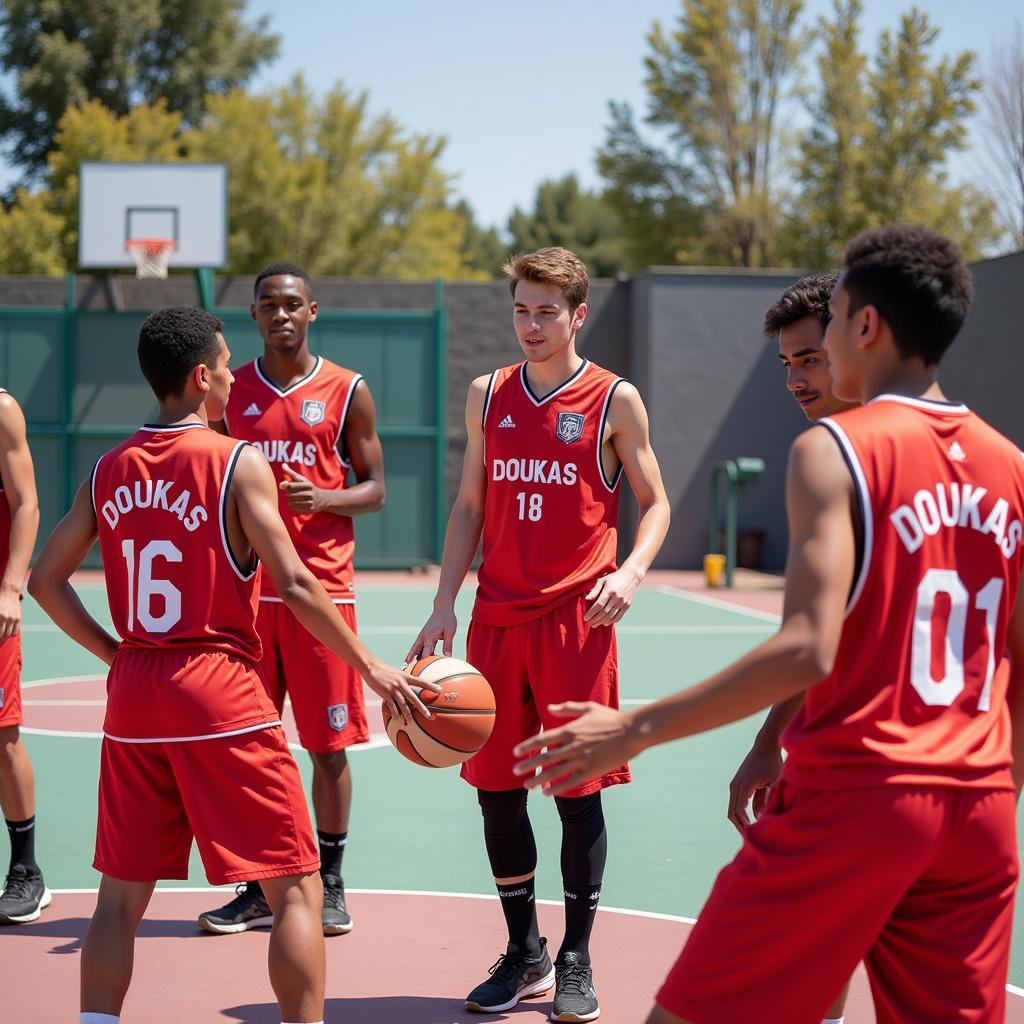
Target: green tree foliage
column 564, row 214
column 31, row 237
column 714, row 87
column 121, row 53
column 483, row 251
column 880, row 135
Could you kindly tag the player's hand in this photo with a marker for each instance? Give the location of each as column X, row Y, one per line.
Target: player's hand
column 399, row 690
column 10, row 612
column 752, row 782
column 611, row 597
column 302, row 495
column 441, row 625
column 597, row 741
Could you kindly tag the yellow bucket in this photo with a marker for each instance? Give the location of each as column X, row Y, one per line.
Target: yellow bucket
column 714, row 570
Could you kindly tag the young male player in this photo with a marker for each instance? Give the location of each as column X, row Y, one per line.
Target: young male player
column 798, row 319
column 314, row 421
column 24, row 893
column 548, row 441
column 891, row 833
column 192, row 743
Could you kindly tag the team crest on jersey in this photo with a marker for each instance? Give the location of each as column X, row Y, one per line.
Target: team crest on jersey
column 569, row 427
column 312, row 412
column 337, row 716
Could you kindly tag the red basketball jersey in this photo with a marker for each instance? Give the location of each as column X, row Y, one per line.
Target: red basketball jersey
column 918, row 690
column 301, row 426
column 173, row 582
column 5, row 521
column 550, row 512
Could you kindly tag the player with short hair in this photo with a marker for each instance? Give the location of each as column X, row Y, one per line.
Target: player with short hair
column 25, row 893
column 315, row 422
column 192, row 744
column 891, row 835
column 548, row 442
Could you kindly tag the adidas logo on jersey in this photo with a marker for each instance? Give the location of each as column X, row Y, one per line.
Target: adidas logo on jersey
column 506, row 422
column 253, row 410
column 956, row 453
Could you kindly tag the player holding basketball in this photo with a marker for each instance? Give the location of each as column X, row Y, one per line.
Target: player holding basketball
column 548, row 441
column 314, row 421
column 192, row 743
column 891, row 833
column 25, row 893
column 798, row 320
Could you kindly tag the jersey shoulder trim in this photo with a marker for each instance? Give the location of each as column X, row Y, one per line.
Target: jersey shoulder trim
column 599, row 441
column 488, row 394
column 345, row 405
column 240, row 571
column 860, row 486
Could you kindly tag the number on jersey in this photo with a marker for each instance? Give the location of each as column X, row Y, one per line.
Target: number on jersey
column 143, row 588
column 942, row 692
column 531, row 506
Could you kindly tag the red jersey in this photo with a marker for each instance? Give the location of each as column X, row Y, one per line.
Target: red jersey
column 917, row 693
column 550, row 512
column 173, row 584
column 301, row 425
column 5, row 520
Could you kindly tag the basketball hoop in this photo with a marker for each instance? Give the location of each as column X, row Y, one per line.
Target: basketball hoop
column 151, row 255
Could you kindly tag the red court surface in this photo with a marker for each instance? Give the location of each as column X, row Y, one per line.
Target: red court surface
column 410, row 959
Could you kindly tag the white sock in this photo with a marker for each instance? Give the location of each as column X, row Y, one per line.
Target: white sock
column 97, row 1018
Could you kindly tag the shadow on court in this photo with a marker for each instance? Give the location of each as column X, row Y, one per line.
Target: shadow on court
column 392, row 1010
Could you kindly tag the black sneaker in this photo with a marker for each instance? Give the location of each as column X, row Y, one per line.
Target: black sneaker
column 514, row 976
column 575, row 998
column 335, row 918
column 249, row 909
column 25, row 894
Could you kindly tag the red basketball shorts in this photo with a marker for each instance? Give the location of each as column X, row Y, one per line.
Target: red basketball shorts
column 239, row 796
column 10, row 681
column 326, row 693
column 555, row 658
column 918, row 882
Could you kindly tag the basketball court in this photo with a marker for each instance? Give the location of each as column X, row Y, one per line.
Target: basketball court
column 427, row 925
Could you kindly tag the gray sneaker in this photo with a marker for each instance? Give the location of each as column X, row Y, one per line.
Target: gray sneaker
column 514, row 976
column 249, row 909
column 575, row 998
column 24, row 896
column 335, row 917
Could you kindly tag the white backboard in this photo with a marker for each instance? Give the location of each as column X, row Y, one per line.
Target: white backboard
column 184, row 202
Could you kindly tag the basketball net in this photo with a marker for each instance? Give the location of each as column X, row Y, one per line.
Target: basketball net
column 151, row 255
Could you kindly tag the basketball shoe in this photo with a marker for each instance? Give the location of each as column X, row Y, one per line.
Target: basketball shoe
column 335, row 918
column 575, row 998
column 249, row 909
column 24, row 896
column 514, row 976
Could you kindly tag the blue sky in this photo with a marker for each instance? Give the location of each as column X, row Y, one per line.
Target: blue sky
column 521, row 90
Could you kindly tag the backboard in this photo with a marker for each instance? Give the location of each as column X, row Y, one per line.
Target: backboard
column 184, row 202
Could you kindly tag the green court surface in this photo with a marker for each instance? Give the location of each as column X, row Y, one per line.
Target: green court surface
column 419, row 829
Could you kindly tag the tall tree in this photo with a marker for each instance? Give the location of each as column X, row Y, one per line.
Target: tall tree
column 714, row 87
column 121, row 53
column 880, row 135
column 1003, row 126
column 483, row 251
column 564, row 214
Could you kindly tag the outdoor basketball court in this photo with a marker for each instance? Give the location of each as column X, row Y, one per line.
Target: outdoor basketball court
column 427, row 926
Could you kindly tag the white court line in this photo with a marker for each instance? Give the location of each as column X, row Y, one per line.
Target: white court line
column 717, row 602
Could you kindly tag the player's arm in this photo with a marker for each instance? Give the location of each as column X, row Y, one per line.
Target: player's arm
column 254, row 505
column 819, row 571
column 361, row 445
column 50, row 582
column 20, row 487
column 762, row 765
column 631, row 438
column 1015, row 686
column 465, row 524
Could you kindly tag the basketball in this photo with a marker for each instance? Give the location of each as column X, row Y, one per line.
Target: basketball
column 463, row 715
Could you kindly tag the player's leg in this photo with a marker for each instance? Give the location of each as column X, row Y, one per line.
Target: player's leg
column 296, row 955
column 249, row 907
column 25, row 892
column 108, row 950
column 947, row 942
column 837, row 1011
column 524, row 969
column 330, row 712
